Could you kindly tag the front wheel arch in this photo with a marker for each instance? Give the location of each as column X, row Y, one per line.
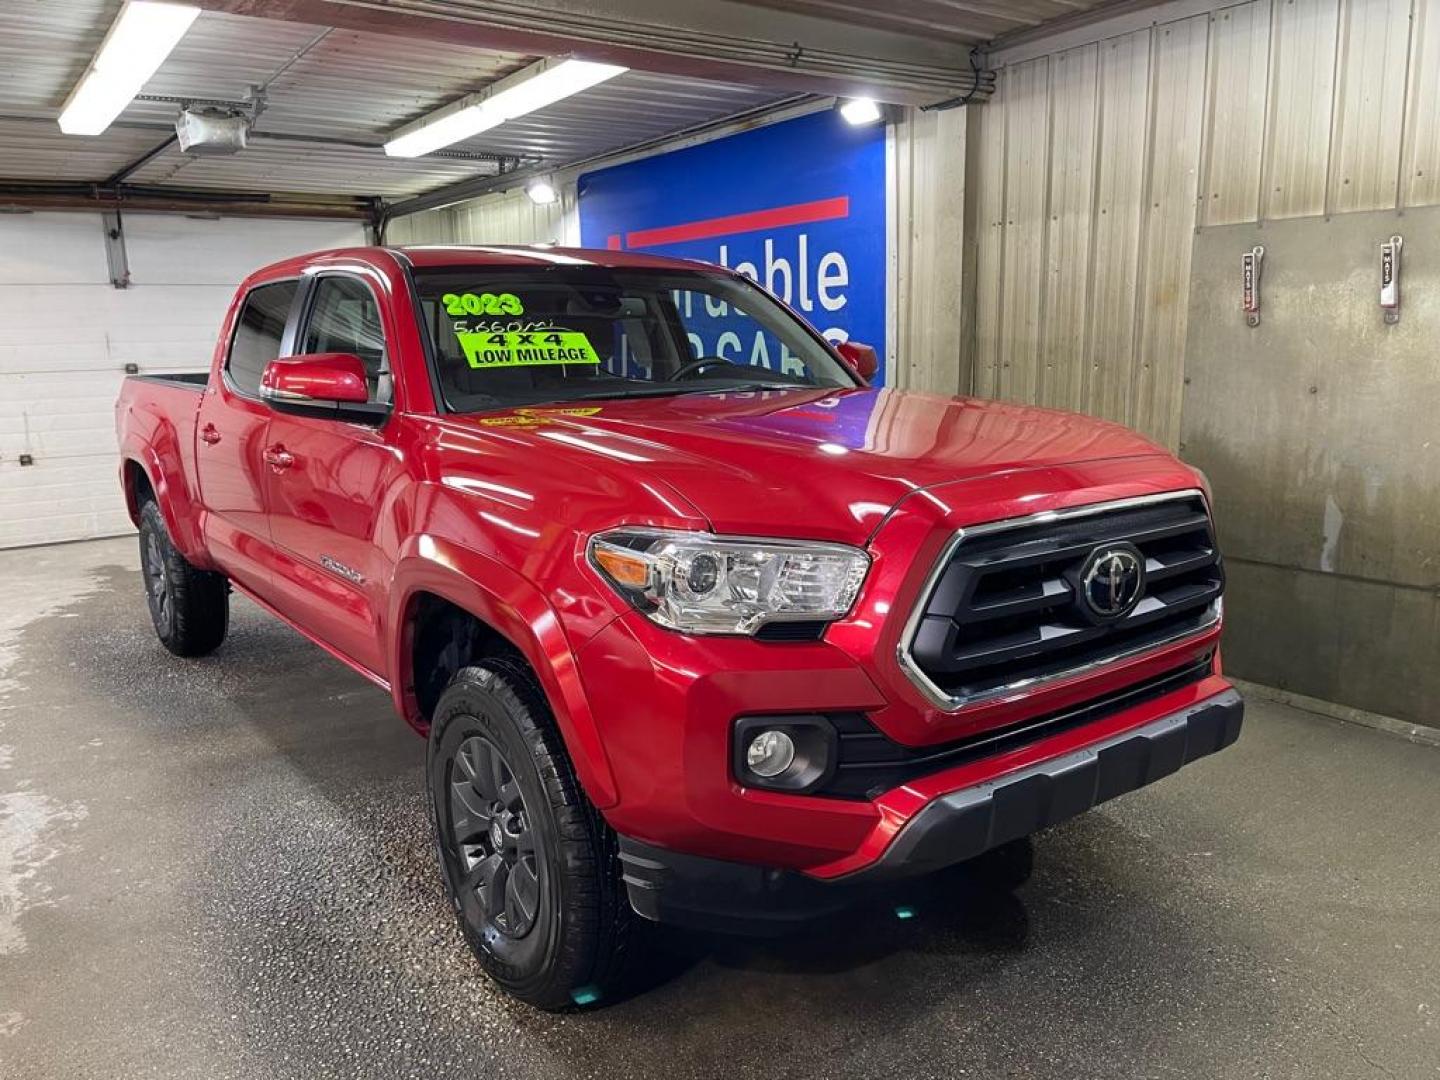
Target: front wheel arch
column 508, row 615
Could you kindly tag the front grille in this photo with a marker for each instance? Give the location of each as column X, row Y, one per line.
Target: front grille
column 1004, row 608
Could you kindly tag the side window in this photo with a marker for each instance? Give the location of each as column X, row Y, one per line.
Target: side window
column 258, row 332
column 345, row 319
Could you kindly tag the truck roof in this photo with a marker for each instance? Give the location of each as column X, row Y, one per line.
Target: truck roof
column 446, row 255
column 439, row 256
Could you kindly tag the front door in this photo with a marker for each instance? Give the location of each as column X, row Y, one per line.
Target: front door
column 326, row 498
column 230, row 440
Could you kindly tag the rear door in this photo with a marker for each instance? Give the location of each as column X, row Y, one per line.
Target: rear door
column 327, row 506
column 230, row 439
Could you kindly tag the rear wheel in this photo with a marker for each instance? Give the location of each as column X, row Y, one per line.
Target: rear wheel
column 189, row 607
column 529, row 866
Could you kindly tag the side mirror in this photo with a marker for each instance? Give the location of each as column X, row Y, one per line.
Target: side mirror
column 860, row 358
column 326, row 385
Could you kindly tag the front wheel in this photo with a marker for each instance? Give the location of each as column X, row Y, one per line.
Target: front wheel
column 530, row 868
column 190, row 607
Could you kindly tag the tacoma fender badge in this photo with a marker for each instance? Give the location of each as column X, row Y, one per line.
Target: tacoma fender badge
column 335, row 566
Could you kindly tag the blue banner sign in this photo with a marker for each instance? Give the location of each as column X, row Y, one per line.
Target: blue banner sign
column 797, row 206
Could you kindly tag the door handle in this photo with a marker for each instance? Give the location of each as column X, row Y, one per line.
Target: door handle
column 210, row 434
column 278, row 458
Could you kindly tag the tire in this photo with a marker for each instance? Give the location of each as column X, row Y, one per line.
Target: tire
column 530, row 868
column 189, row 607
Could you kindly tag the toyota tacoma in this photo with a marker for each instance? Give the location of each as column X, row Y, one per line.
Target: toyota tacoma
column 700, row 627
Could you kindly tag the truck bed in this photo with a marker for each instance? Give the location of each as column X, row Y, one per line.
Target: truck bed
column 157, row 413
column 190, row 380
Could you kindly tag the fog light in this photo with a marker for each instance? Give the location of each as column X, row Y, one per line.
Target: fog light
column 794, row 753
column 770, row 753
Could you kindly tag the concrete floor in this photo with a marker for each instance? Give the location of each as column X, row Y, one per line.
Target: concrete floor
column 222, row 868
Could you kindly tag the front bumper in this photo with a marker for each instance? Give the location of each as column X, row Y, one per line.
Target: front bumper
column 670, row 887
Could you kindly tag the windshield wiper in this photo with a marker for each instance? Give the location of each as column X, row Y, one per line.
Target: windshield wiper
column 772, row 386
column 645, row 391
column 655, row 390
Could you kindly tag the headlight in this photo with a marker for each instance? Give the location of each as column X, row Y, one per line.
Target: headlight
column 700, row 583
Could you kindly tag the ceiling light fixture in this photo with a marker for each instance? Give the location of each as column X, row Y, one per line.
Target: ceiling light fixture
column 139, row 40
column 862, row 110
column 531, row 88
column 541, row 192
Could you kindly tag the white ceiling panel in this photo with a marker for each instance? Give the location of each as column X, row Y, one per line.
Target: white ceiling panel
column 972, row 21
column 34, row 149
column 332, row 96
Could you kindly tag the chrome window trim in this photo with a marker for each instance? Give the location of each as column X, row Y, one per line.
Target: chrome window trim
column 286, row 334
column 954, row 703
column 269, row 393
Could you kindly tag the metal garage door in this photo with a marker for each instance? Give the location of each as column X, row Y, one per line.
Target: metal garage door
column 66, row 335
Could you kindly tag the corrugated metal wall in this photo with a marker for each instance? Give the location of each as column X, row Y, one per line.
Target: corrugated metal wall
column 928, row 208
column 508, row 217
column 1097, row 164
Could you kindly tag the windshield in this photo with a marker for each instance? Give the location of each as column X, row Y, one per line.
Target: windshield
column 503, row 336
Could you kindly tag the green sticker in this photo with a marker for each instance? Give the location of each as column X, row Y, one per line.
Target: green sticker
column 483, row 304
column 525, row 348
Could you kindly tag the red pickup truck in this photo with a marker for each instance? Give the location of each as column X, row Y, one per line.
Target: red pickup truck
column 699, row 626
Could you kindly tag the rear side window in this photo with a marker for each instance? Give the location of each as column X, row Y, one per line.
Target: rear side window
column 258, row 332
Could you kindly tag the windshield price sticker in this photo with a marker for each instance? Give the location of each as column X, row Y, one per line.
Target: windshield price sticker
column 525, row 348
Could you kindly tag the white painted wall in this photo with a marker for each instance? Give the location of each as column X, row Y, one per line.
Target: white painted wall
column 66, row 335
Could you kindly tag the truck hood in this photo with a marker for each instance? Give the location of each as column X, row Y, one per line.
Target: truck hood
column 826, row 463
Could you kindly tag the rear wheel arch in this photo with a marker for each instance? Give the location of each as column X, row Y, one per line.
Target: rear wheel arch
column 144, row 480
column 138, row 488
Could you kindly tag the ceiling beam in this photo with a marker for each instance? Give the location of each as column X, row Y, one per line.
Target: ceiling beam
column 723, row 40
column 1107, row 20
column 31, row 196
column 972, row 22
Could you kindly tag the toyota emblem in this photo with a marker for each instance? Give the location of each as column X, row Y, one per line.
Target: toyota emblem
column 1112, row 581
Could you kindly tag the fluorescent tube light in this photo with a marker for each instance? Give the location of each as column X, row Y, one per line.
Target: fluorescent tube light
column 859, row 111
column 541, row 192
column 139, row 40
column 534, row 87
column 442, row 131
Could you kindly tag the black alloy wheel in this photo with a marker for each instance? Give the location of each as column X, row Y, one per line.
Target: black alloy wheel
column 490, row 836
column 189, row 607
column 157, row 582
column 531, row 869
